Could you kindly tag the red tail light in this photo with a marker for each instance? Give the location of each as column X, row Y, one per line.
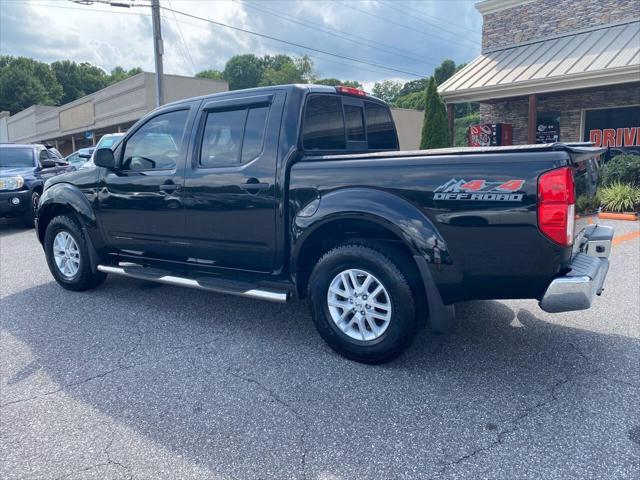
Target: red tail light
column 351, row 91
column 556, row 205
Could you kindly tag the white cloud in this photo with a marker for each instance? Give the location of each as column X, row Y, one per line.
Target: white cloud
column 52, row 30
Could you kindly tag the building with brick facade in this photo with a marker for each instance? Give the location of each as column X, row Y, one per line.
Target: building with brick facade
column 556, row 70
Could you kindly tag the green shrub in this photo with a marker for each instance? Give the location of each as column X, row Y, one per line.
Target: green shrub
column 587, row 205
column 620, row 197
column 435, row 128
column 622, row 168
column 461, row 128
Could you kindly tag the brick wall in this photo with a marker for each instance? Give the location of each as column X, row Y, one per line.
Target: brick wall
column 544, row 18
column 568, row 104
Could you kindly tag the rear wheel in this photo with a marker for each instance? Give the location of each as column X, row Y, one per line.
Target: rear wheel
column 362, row 304
column 68, row 256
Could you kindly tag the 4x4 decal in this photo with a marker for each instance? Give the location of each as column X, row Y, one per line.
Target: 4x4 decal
column 480, row 190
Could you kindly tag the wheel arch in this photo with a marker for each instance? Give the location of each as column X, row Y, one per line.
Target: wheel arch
column 63, row 198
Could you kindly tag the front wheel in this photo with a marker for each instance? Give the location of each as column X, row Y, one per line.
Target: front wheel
column 68, row 256
column 361, row 304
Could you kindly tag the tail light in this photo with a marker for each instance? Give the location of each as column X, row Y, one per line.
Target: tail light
column 351, row 91
column 556, row 205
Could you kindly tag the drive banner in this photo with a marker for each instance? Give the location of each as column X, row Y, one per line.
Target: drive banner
column 613, row 127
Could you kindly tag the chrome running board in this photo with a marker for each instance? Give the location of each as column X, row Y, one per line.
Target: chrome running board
column 210, row 284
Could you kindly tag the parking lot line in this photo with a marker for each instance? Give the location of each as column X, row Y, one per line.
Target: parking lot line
column 626, row 237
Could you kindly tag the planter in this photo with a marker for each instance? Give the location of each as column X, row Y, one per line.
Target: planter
column 632, row 216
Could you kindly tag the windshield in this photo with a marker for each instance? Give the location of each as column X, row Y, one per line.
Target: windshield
column 108, row 142
column 16, row 157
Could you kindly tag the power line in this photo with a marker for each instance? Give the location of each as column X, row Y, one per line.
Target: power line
column 306, row 47
column 423, row 14
column 185, row 48
column 299, row 51
column 340, row 34
column 408, row 27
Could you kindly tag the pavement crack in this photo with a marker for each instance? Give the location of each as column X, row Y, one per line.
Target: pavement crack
column 279, row 400
column 513, row 426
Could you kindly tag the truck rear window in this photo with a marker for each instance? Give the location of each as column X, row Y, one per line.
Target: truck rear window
column 324, row 123
column 331, row 124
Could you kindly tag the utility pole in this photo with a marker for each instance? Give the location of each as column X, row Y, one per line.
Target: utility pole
column 158, row 51
column 158, row 48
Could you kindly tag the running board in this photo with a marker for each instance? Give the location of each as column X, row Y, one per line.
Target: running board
column 209, row 284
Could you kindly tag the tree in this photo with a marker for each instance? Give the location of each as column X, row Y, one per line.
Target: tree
column 414, row 86
column 334, row 82
column 78, row 80
column 118, row 74
column 25, row 82
column 283, row 69
column 243, row 71
column 444, row 71
column 435, row 128
column 415, row 101
column 211, row 74
column 387, row 90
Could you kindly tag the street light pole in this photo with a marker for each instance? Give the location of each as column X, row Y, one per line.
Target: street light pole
column 158, row 51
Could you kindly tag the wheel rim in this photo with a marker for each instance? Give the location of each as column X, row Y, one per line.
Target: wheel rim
column 359, row 305
column 66, row 254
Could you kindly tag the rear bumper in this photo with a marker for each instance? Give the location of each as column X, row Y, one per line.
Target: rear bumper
column 588, row 270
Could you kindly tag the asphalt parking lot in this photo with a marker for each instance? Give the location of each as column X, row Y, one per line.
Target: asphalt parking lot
column 136, row 380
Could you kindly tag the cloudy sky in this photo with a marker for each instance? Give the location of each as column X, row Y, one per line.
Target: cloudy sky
column 398, row 39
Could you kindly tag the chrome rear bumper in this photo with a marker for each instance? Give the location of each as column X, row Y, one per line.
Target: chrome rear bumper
column 576, row 289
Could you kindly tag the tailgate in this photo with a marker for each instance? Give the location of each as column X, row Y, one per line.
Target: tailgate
column 586, row 161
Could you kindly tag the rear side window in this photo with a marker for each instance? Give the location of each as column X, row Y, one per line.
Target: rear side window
column 232, row 136
column 380, row 130
column 254, row 133
column 222, row 138
column 324, row 123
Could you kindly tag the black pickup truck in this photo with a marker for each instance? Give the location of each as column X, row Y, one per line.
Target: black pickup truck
column 296, row 191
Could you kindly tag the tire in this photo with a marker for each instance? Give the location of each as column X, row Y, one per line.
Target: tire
column 78, row 275
column 395, row 323
column 29, row 216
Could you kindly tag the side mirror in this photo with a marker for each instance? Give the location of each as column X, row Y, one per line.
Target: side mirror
column 47, row 163
column 103, row 157
column 84, row 155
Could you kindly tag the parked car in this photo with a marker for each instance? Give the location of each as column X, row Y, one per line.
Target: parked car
column 108, row 140
column 23, row 170
column 615, row 151
column 300, row 191
column 80, row 157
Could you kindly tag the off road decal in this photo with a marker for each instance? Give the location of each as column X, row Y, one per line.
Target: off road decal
column 480, row 190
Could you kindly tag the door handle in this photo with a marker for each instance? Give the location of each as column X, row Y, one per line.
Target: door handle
column 170, row 187
column 254, row 186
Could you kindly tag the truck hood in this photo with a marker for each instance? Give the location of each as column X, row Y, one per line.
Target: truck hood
column 15, row 171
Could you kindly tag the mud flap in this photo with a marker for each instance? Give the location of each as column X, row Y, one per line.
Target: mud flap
column 441, row 317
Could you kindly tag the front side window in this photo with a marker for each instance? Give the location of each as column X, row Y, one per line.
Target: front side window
column 157, row 145
column 323, row 123
column 381, row 132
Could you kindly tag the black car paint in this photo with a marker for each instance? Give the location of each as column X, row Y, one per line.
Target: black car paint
column 217, row 224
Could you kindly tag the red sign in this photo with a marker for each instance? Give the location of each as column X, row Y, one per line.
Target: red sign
column 615, row 137
column 489, row 134
column 613, row 127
